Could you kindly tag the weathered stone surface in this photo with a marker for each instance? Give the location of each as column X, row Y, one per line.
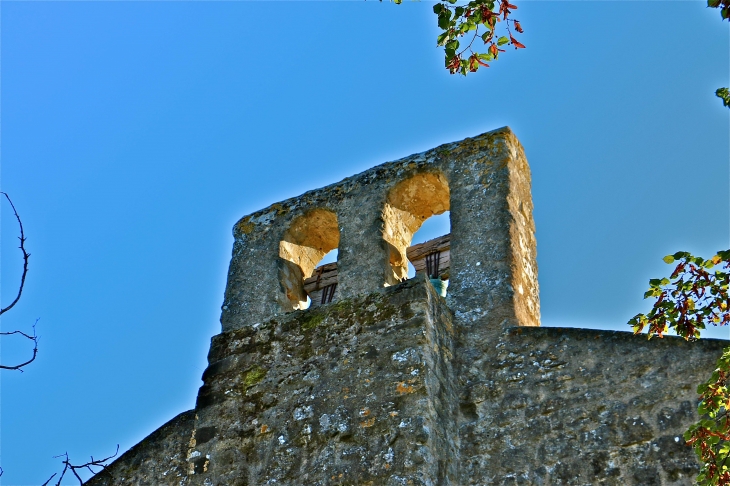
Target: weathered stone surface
column 391, row 384
column 581, row 407
column 484, row 181
column 354, row 392
column 368, row 391
column 159, row 460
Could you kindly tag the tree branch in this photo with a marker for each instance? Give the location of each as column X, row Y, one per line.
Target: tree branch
column 33, row 338
column 26, row 256
column 68, row 467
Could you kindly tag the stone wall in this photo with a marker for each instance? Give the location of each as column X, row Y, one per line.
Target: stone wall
column 159, row 460
column 355, row 392
column 581, row 407
column 372, row 391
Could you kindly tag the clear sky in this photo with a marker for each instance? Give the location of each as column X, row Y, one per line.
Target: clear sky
column 135, row 134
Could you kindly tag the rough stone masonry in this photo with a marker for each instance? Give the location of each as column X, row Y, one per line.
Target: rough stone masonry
column 391, row 384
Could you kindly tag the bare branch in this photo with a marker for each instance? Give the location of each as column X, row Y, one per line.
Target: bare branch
column 33, row 338
column 67, row 466
column 49, row 479
column 3, row 310
column 26, row 256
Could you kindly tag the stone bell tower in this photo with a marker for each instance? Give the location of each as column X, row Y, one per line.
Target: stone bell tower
column 362, row 390
column 385, row 382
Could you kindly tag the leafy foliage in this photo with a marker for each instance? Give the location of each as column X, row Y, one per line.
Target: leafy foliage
column 710, row 437
column 477, row 21
column 724, row 95
column 723, row 5
column 697, row 294
column 692, row 297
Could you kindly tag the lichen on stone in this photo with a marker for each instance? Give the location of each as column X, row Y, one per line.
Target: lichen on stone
column 311, row 320
column 253, row 376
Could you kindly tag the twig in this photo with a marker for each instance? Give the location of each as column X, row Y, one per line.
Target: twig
column 33, row 338
column 26, row 256
column 67, row 466
column 3, row 310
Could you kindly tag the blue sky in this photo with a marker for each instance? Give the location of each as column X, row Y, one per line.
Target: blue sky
column 135, row 134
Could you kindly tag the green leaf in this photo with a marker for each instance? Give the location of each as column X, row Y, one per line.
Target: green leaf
column 459, row 11
column 502, row 41
column 438, row 8
column 668, row 259
column 724, row 95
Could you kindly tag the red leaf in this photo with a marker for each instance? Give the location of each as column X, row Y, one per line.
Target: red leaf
column 487, row 15
column 482, row 63
column 473, row 63
column 453, row 65
column 504, row 8
column 518, row 45
column 518, row 27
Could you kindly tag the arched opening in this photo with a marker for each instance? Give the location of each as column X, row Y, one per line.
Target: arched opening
column 322, row 285
column 409, row 204
column 309, row 238
column 429, row 238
